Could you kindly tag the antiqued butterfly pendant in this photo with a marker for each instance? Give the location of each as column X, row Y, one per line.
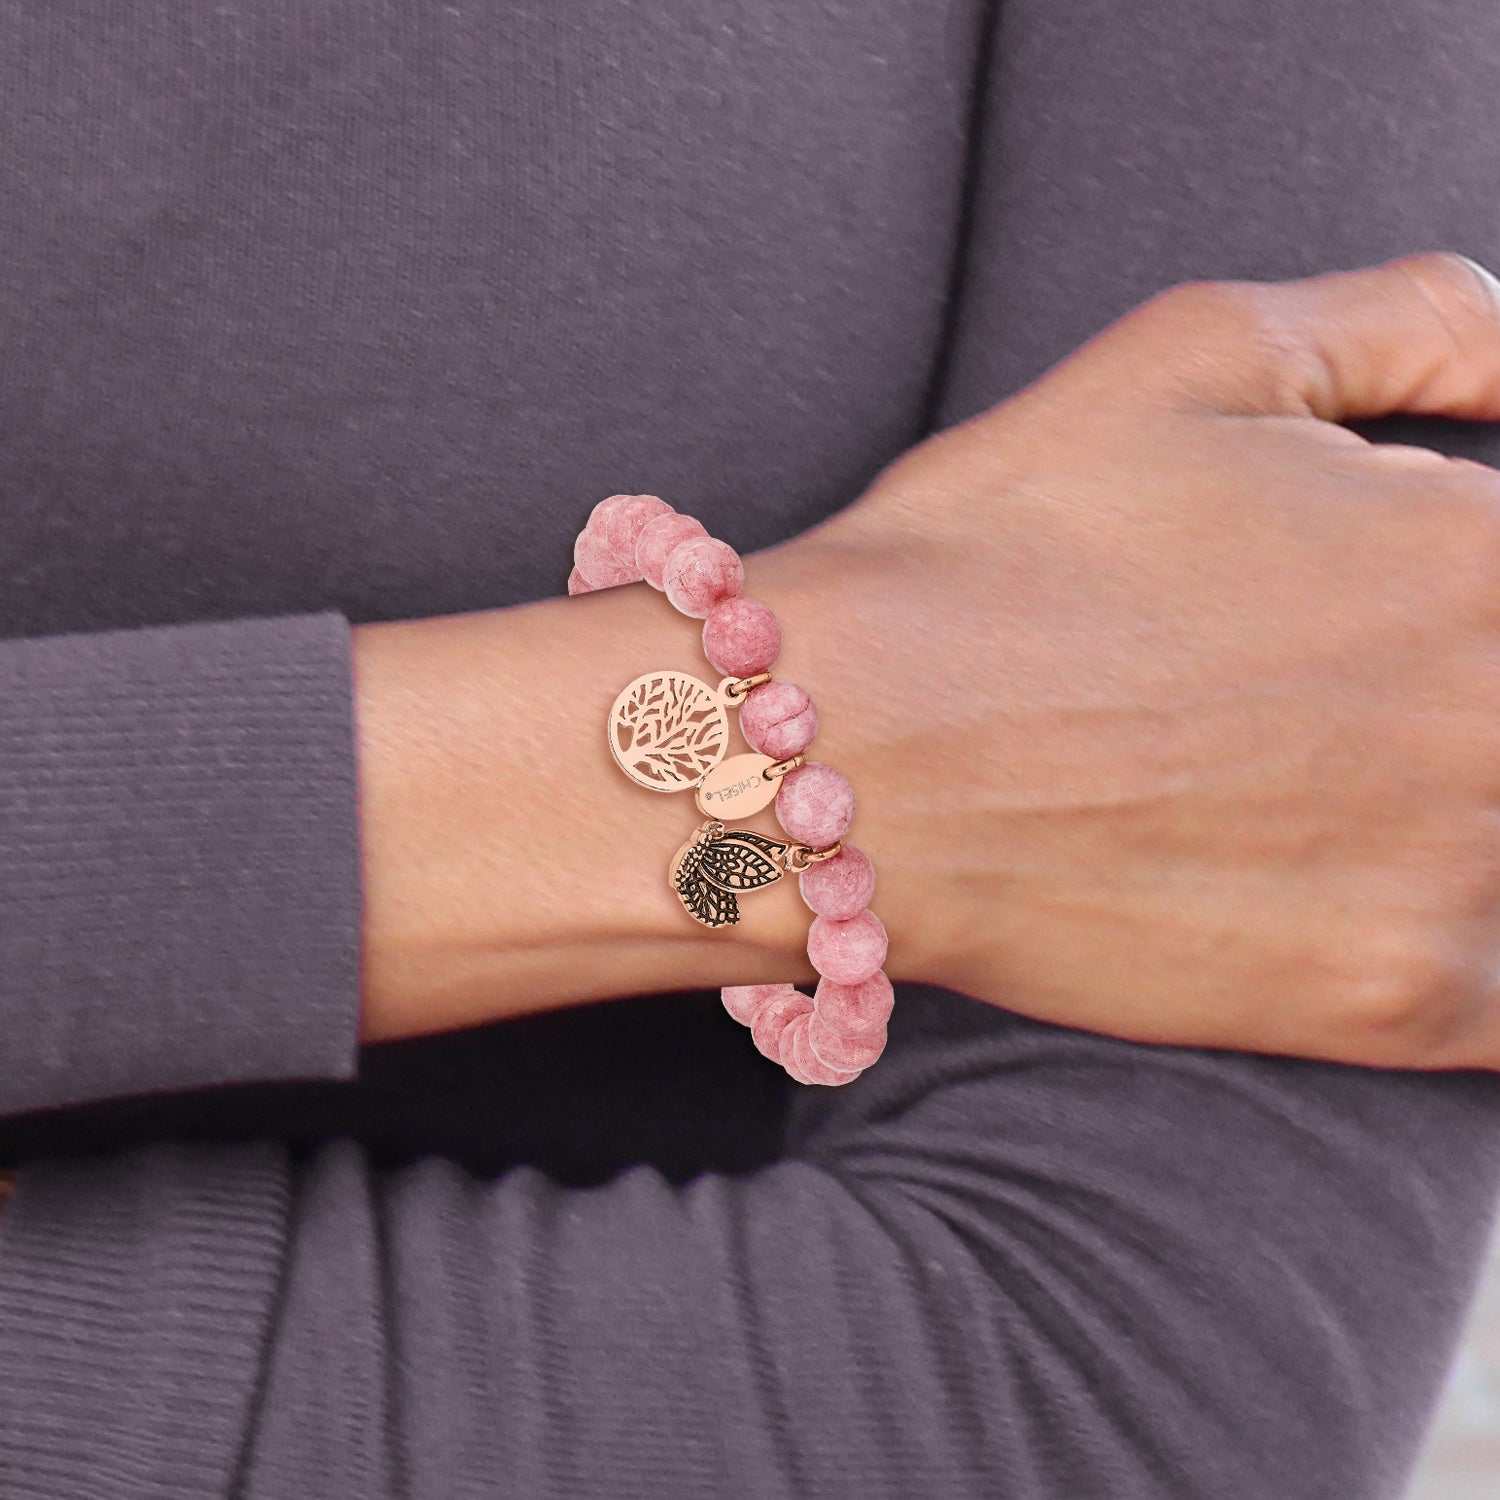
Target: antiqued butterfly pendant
column 717, row 862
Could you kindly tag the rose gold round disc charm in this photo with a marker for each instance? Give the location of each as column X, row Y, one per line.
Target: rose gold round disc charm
column 668, row 730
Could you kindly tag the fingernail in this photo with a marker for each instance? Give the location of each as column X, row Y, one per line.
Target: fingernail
column 1490, row 280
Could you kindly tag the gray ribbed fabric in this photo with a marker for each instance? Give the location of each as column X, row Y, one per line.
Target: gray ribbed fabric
column 320, row 313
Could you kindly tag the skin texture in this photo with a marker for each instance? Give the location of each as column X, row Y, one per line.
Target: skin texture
column 1171, row 706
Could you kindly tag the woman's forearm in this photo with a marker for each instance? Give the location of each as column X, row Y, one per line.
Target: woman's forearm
column 508, row 866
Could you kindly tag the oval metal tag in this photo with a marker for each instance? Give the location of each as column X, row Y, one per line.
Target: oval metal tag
column 737, row 787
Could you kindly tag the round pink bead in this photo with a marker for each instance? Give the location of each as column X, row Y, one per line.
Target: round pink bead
column 599, row 516
column 658, row 537
column 622, row 525
column 599, row 566
column 741, row 637
column 743, row 1001
column 840, row 887
column 802, row 1062
column 765, row 1029
column 699, row 572
column 784, row 1045
column 814, row 803
column 855, row 1009
column 849, row 951
column 852, row 1053
column 577, row 584
column 779, row 720
column 793, row 1071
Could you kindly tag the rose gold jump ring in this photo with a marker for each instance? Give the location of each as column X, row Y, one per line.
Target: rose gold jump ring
column 783, row 766
column 800, row 856
column 737, row 688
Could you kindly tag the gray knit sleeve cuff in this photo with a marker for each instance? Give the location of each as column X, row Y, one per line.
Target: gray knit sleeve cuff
column 179, row 859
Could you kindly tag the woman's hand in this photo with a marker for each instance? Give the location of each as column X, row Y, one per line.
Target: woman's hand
column 1172, row 707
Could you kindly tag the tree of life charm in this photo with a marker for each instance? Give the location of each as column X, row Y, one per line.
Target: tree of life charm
column 668, row 730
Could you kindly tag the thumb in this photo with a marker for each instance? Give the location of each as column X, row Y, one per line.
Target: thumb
column 1417, row 334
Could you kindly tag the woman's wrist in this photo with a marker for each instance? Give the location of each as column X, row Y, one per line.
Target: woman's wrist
column 506, row 870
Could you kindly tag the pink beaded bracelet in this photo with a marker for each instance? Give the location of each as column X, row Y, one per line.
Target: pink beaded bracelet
column 669, row 731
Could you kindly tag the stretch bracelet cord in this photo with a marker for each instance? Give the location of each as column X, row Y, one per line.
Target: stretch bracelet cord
column 668, row 731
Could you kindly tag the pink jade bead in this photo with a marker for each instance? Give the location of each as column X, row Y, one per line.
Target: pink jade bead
column 779, row 720
column 840, row 887
column 765, row 1030
column 578, row 584
column 623, row 523
column 792, row 1071
column 741, row 637
column 743, row 1001
column 658, row 537
column 855, row 1010
column 597, row 565
column 848, row 1053
column 699, row 572
column 814, row 803
column 799, row 1058
column 599, row 515
column 784, row 1041
column 598, row 521
column 847, row 952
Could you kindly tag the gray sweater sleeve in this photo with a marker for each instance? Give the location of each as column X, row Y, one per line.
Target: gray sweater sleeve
column 1010, row 1261
column 179, row 861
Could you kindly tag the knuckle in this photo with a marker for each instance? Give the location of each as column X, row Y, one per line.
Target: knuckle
column 1232, row 335
column 1472, row 483
column 1192, row 307
column 1448, row 284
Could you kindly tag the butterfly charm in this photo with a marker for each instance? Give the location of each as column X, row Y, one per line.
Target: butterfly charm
column 716, row 862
